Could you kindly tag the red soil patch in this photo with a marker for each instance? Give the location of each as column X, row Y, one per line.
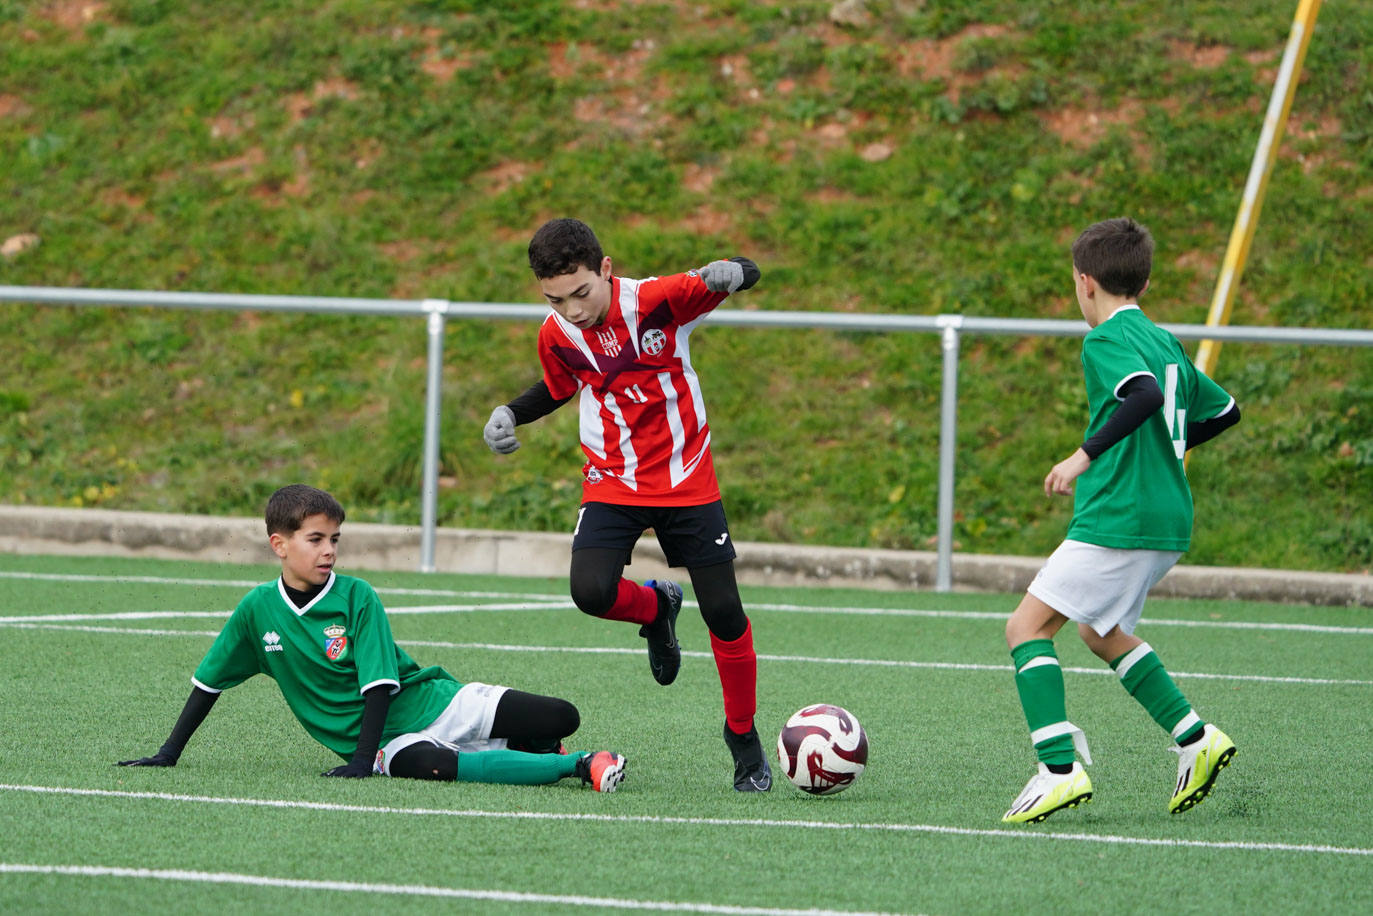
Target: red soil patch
column 1203, row 57
column 72, row 15
column 1084, row 127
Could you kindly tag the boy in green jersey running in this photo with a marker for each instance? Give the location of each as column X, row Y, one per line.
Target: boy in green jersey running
column 326, row 641
column 1132, row 521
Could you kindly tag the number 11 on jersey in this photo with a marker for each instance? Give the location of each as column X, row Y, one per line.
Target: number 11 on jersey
column 1175, row 417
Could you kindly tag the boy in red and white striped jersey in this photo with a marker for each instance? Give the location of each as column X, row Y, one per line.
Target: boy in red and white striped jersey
column 622, row 346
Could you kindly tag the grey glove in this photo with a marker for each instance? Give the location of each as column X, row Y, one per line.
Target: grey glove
column 722, row 276
column 499, row 431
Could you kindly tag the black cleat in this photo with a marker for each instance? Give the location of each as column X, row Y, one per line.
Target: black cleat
column 664, row 653
column 751, row 770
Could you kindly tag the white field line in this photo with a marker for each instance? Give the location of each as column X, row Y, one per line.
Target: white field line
column 252, row 583
column 997, row 615
column 528, row 601
column 412, row 890
column 224, row 614
column 546, row 603
column 1008, row 833
column 15, row 623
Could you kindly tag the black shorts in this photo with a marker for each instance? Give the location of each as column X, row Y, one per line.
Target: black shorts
column 691, row 536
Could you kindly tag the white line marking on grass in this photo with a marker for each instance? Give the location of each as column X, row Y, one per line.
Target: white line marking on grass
column 224, row 615
column 562, row 601
column 561, row 605
column 412, row 890
column 1009, row 832
column 136, row 580
column 22, row 623
column 253, row 583
column 125, row 631
column 872, row 662
column 119, row 615
column 998, row 615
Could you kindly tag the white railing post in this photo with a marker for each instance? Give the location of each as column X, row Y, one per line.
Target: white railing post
column 948, row 449
column 433, row 400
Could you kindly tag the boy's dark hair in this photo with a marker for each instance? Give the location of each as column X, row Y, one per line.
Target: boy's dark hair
column 292, row 505
column 563, row 245
column 1117, row 253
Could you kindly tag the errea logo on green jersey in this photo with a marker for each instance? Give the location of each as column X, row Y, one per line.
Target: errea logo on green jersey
column 272, row 642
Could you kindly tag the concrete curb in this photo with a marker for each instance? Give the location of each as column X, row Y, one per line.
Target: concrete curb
column 104, row 532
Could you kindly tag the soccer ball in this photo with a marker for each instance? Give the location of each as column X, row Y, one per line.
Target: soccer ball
column 822, row 749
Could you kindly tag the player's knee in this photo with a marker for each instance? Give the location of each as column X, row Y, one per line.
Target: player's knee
column 593, row 597
column 567, row 717
column 725, row 619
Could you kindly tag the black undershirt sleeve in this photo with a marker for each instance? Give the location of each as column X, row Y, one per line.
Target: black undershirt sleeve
column 537, row 401
column 1206, row 430
column 376, row 704
column 197, row 707
column 1140, row 397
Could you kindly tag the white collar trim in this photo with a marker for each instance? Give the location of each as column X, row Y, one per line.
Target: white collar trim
column 1123, row 308
column 300, row 611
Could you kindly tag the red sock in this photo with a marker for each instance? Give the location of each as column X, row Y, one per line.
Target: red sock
column 738, row 666
column 634, row 602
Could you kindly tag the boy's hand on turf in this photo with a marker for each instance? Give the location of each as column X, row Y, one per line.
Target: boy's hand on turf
column 722, row 276
column 156, row 760
column 499, row 431
column 352, row 770
column 1060, row 479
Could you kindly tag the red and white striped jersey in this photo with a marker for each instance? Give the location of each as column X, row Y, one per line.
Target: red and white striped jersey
column 643, row 420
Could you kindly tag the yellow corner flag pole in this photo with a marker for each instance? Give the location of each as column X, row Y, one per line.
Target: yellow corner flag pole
column 1279, row 105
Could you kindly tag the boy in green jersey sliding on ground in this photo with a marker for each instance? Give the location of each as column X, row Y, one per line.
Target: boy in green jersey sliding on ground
column 326, row 641
column 1132, row 521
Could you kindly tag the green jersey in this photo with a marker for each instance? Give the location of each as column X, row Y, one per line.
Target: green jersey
column 323, row 656
column 1135, row 494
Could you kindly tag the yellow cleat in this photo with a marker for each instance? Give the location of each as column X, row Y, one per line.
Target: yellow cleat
column 1201, row 763
column 1047, row 792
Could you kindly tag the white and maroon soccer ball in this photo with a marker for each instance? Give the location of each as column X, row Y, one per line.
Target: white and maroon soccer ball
column 822, row 749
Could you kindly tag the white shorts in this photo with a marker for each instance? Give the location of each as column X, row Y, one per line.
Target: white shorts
column 464, row 725
column 1103, row 587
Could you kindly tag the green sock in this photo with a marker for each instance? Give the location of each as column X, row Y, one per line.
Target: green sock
column 1145, row 679
column 1039, row 680
column 514, row 768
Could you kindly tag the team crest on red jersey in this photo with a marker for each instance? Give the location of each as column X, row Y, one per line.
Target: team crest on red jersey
column 653, row 341
column 335, row 642
column 610, row 346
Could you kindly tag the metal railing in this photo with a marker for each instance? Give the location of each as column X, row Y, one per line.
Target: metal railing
column 437, row 312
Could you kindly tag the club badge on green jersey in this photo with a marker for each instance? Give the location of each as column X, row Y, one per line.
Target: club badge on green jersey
column 335, row 642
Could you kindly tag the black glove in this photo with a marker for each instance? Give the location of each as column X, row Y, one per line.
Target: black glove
column 159, row 759
column 351, row 770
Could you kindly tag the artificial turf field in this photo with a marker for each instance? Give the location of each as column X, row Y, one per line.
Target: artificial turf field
column 98, row 653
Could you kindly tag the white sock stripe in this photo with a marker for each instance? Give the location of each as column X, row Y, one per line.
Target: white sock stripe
column 1188, row 722
column 1038, row 661
column 1040, row 735
column 1132, row 658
